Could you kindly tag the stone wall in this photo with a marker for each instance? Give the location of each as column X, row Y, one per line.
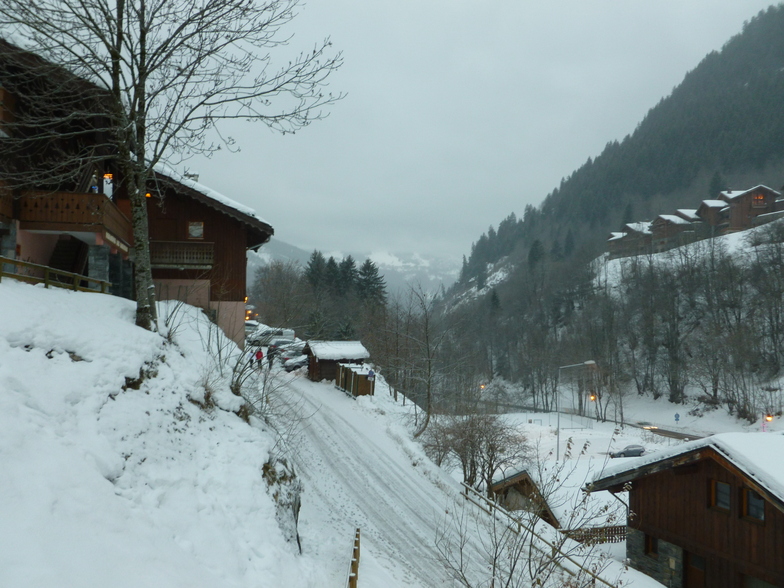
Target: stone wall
column 666, row 567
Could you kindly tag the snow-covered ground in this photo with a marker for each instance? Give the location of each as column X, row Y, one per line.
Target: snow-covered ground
column 107, row 479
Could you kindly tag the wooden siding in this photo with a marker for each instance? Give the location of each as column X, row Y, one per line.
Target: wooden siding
column 673, row 505
column 6, row 206
column 74, row 212
column 743, row 209
column 169, row 223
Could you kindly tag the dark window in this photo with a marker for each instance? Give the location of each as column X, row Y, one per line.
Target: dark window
column 651, row 546
column 720, row 495
column 753, row 505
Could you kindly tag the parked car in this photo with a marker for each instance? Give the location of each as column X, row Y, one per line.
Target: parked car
column 290, row 351
column 629, row 451
column 265, row 336
column 295, row 363
column 275, row 346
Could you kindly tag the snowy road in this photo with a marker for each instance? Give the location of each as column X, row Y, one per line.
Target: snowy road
column 359, row 471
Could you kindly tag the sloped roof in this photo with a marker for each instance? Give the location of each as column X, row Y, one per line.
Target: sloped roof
column 688, row 213
column 260, row 231
column 733, row 194
column 753, row 454
column 616, row 236
column 643, row 227
column 714, row 203
column 671, row 218
column 337, row 350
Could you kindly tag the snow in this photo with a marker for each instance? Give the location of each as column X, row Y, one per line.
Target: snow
column 689, row 213
column 207, row 191
column 111, row 481
column 751, row 452
column 716, row 203
column 640, row 227
column 674, row 219
column 334, row 350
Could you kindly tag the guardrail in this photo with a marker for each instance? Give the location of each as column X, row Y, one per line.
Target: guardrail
column 516, row 525
column 51, row 276
column 353, row 568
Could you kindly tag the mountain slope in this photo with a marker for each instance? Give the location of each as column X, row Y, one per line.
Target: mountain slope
column 720, row 128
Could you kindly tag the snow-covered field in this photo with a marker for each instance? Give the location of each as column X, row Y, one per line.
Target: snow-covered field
column 106, row 480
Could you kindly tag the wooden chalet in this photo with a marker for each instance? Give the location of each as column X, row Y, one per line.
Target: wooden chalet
column 78, row 222
column 746, row 205
column 325, row 356
column 198, row 246
column 563, row 505
column 670, row 230
column 708, row 513
column 634, row 239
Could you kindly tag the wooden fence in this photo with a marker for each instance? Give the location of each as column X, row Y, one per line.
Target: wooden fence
column 33, row 273
column 353, row 568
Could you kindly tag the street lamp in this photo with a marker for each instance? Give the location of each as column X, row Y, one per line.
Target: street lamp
column 587, row 363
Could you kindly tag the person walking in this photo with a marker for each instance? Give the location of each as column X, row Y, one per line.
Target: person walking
column 259, row 356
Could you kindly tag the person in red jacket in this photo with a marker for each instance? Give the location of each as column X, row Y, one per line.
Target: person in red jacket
column 259, row 356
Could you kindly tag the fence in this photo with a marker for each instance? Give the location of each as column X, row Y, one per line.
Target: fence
column 49, row 276
column 517, row 525
column 353, row 568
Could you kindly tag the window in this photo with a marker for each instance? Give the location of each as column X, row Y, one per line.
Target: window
column 753, row 505
column 720, row 495
column 758, row 200
column 195, row 230
column 651, row 546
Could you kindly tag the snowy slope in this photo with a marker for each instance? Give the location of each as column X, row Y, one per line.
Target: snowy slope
column 112, row 480
column 138, row 487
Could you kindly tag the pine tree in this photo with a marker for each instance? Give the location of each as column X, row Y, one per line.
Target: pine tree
column 348, row 276
column 314, row 272
column 371, row 287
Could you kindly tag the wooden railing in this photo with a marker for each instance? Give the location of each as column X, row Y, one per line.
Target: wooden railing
column 594, row 535
column 35, row 274
column 353, row 568
column 182, row 254
column 74, row 211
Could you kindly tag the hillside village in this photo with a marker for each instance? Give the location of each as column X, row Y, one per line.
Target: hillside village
column 196, row 454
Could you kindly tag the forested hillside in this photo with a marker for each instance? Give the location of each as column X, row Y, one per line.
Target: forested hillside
column 720, row 128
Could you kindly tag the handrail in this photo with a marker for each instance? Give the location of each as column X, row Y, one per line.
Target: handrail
column 353, row 567
column 519, row 524
column 49, row 274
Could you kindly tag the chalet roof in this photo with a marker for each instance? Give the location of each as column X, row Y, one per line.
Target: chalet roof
column 674, row 219
column 714, row 203
column 688, row 213
column 261, row 231
column 616, row 236
column 337, row 350
column 562, row 494
column 755, row 455
column 734, row 194
column 642, row 227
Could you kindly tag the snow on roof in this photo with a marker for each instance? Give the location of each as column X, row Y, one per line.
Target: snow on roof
column 732, row 194
column 206, row 191
column 750, row 452
column 690, row 213
column 714, row 203
column 674, row 219
column 643, row 227
column 335, row 350
column 616, row 236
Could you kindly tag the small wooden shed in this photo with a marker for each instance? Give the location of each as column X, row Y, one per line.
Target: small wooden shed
column 324, row 357
column 357, row 380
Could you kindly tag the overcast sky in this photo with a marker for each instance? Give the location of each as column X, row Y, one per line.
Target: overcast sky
column 459, row 113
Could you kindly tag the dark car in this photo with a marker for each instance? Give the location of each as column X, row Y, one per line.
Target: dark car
column 629, row 451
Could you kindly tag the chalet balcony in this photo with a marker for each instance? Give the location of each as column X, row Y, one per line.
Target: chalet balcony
column 73, row 212
column 181, row 255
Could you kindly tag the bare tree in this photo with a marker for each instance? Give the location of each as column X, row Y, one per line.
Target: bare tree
column 169, row 71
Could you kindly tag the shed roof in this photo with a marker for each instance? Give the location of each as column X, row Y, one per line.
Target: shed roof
column 751, row 453
column 337, row 350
